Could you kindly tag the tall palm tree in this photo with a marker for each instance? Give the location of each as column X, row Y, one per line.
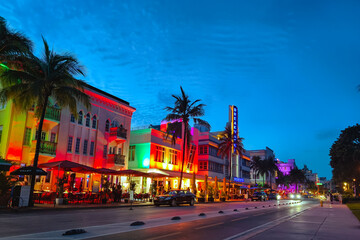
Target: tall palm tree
column 51, row 76
column 227, row 147
column 271, row 168
column 297, row 176
column 255, row 165
column 12, row 43
column 179, row 117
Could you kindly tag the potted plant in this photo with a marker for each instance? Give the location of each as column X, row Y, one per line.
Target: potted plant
column 211, row 192
column 202, row 195
column 60, row 189
column 223, row 197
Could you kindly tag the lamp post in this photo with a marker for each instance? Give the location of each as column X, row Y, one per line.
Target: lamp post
column 354, row 185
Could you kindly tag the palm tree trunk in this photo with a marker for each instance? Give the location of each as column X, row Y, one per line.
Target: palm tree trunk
column 183, row 157
column 37, row 150
column 230, row 161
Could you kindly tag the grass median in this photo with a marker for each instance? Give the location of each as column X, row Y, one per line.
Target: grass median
column 355, row 208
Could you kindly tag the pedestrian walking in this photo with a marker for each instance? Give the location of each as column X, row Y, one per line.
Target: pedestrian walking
column 331, row 198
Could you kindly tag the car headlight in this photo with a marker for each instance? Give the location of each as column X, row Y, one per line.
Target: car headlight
column 291, row 195
column 278, row 197
column 168, row 198
column 298, row 196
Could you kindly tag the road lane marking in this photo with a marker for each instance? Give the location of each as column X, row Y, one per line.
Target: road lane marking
column 164, row 236
column 207, row 226
column 238, row 219
column 258, row 214
column 265, row 226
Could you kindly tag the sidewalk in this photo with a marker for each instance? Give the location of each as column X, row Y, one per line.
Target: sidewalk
column 333, row 221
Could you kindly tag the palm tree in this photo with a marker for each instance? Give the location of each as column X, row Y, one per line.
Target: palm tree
column 297, row 176
column 255, row 165
column 39, row 79
column 271, row 168
column 12, row 43
column 179, row 117
column 227, row 147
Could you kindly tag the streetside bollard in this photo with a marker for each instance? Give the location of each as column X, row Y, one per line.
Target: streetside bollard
column 321, row 203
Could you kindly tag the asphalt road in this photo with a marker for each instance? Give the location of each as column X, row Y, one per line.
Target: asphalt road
column 114, row 223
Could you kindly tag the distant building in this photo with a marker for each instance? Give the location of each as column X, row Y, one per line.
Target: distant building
column 286, row 167
column 263, row 154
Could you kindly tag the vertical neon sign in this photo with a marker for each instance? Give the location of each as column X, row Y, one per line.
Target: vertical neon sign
column 235, row 125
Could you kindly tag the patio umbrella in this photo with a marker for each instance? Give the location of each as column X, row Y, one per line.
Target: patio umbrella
column 106, row 171
column 66, row 165
column 4, row 165
column 28, row 171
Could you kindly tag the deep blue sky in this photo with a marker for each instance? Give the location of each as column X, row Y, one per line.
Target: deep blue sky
column 291, row 67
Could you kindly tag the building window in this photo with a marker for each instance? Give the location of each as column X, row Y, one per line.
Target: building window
column 77, row 146
column 114, row 124
column 1, row 130
column 159, row 154
column 132, row 153
column 94, row 122
column 92, row 145
column 53, row 137
column 43, row 135
column 80, row 120
column 107, row 126
column 87, row 120
column 27, row 136
column 105, row 151
column 48, row 175
column 119, row 151
column 203, row 165
column 173, row 156
column 72, row 118
column 85, row 147
column 203, row 149
column 69, row 147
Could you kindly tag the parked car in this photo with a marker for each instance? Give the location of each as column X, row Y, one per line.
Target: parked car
column 259, row 196
column 175, row 197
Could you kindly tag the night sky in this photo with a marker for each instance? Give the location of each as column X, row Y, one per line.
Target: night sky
column 291, row 67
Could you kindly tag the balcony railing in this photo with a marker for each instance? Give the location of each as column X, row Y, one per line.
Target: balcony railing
column 51, row 113
column 117, row 159
column 46, row 147
column 118, row 132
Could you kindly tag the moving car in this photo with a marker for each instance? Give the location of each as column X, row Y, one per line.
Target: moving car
column 295, row 196
column 175, row 197
column 259, row 196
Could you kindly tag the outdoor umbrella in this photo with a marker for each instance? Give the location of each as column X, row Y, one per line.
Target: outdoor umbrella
column 28, row 171
column 106, row 171
column 4, row 165
column 66, row 165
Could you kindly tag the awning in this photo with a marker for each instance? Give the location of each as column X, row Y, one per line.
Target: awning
column 185, row 174
column 154, row 172
column 28, row 171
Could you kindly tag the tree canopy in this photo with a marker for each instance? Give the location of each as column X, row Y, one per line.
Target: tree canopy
column 345, row 155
